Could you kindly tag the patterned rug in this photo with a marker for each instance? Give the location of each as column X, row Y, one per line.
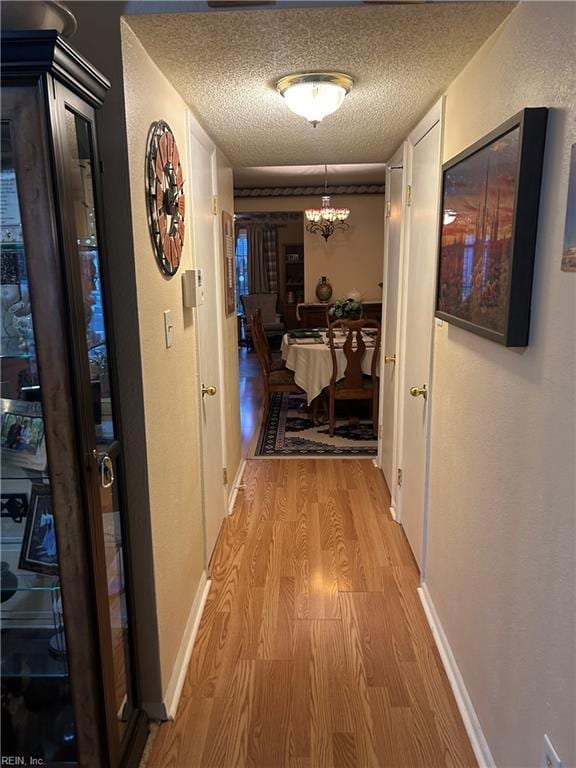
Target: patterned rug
column 290, row 431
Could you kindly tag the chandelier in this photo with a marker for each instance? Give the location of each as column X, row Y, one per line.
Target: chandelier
column 316, row 94
column 326, row 220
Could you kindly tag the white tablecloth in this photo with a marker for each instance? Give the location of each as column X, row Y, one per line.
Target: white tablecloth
column 312, row 365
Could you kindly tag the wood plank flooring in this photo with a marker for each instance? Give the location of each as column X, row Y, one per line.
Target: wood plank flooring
column 313, row 649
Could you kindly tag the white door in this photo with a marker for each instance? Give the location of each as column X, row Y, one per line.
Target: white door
column 424, row 148
column 392, row 269
column 208, row 341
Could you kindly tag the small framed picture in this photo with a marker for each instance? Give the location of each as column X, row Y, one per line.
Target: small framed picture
column 22, row 433
column 39, row 552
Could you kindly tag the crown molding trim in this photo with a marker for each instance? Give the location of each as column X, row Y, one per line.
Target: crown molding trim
column 345, row 189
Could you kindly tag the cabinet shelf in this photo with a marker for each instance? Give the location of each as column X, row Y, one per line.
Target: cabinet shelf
column 46, row 584
column 30, row 475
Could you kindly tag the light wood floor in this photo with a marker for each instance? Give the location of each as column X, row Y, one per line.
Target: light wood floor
column 313, row 648
column 250, row 397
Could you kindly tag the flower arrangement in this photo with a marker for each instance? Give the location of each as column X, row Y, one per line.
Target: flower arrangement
column 346, row 309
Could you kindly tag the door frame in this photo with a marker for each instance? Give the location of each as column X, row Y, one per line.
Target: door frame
column 398, row 161
column 194, row 130
column 434, row 117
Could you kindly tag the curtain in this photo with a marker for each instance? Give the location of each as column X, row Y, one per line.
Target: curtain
column 257, row 273
column 271, row 257
column 262, row 258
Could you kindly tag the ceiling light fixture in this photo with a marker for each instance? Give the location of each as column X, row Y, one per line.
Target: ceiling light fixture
column 326, row 220
column 316, row 94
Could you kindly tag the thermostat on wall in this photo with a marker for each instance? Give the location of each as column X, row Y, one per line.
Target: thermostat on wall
column 192, row 288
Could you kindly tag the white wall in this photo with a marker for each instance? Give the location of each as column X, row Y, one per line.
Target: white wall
column 502, row 532
column 170, row 375
column 171, row 378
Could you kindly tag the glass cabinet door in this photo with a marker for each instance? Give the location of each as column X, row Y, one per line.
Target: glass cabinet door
column 37, row 717
column 102, row 437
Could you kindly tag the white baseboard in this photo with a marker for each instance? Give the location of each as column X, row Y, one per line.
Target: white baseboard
column 236, row 485
column 392, row 510
column 463, row 700
column 168, row 708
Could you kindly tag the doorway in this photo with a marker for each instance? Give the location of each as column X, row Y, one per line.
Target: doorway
column 390, row 364
column 209, row 336
column 275, row 286
column 422, row 209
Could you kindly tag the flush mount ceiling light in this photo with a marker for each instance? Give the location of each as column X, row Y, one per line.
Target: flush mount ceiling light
column 315, row 94
column 326, row 220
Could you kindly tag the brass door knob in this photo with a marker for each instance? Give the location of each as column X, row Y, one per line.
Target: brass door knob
column 419, row 391
column 389, row 358
column 211, row 390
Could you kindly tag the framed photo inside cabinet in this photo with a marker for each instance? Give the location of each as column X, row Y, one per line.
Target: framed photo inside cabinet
column 22, row 433
column 229, row 255
column 489, row 215
column 39, row 552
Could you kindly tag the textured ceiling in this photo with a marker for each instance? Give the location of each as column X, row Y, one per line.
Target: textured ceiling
column 401, row 57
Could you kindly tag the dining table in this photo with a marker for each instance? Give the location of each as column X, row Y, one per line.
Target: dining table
column 310, row 359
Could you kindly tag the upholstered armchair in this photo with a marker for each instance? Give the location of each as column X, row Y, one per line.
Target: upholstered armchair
column 267, row 303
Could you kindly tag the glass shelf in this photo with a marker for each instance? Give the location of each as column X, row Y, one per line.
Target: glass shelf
column 27, row 474
column 18, row 356
column 50, row 585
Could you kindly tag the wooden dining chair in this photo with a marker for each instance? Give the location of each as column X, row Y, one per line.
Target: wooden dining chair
column 276, row 363
column 355, row 385
column 278, row 380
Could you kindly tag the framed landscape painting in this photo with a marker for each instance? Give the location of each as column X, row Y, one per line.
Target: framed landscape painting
column 490, row 196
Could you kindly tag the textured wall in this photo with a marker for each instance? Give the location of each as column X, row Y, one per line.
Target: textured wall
column 502, row 509
column 351, row 259
column 170, row 375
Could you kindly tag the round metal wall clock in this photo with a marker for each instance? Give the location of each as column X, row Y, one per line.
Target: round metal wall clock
column 165, row 197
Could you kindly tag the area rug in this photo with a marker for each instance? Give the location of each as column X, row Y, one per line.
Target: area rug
column 290, row 431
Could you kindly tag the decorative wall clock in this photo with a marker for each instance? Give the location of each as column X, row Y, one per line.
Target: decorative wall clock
column 165, row 197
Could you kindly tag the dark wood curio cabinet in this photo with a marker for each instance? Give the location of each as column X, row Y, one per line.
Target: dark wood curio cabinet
column 69, row 677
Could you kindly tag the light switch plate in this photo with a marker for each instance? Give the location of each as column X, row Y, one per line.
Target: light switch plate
column 168, row 328
column 550, row 758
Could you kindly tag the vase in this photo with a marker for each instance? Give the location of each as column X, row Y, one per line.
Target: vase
column 323, row 290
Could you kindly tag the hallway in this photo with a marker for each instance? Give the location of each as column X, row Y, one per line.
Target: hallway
column 313, row 649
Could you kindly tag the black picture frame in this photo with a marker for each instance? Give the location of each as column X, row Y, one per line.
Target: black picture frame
column 39, row 553
column 484, row 283
column 22, row 433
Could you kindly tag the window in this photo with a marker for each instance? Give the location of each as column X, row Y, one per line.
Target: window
column 242, row 287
